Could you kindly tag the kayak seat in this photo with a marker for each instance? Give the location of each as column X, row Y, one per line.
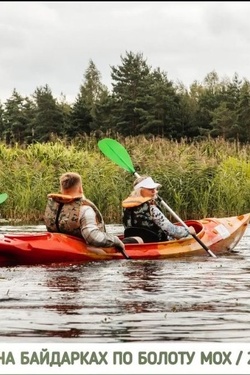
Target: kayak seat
column 127, row 240
column 146, row 234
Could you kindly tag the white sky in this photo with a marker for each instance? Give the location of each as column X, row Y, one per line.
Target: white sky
column 52, row 43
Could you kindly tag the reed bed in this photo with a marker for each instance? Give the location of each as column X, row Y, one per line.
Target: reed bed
column 199, row 179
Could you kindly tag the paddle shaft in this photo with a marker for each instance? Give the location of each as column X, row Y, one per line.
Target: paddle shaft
column 182, row 223
column 118, row 154
column 123, row 252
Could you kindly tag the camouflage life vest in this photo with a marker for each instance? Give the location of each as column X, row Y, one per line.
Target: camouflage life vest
column 62, row 214
column 136, row 213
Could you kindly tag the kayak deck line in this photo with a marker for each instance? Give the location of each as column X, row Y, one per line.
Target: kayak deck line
column 221, row 235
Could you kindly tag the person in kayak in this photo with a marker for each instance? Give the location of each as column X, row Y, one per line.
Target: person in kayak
column 72, row 213
column 140, row 211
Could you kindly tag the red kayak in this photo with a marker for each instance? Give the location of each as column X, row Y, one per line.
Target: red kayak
column 220, row 235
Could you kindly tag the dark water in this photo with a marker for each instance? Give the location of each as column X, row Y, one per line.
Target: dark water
column 194, row 299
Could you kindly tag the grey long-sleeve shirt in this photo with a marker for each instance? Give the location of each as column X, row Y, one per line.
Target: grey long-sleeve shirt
column 173, row 230
column 93, row 234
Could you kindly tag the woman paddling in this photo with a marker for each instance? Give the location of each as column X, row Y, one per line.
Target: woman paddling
column 141, row 212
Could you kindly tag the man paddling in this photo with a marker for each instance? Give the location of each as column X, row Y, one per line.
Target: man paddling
column 72, row 213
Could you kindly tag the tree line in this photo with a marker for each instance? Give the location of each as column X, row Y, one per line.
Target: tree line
column 142, row 101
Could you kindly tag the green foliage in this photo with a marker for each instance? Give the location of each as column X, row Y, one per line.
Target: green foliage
column 199, row 179
column 142, row 101
column 17, row 119
column 233, row 183
column 48, row 119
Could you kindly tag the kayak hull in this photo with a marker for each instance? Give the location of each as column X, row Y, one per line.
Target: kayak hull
column 220, row 235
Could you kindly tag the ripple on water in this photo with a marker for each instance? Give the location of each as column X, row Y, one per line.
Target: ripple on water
column 197, row 299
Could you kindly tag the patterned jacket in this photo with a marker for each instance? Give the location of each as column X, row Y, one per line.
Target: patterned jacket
column 78, row 217
column 136, row 213
column 144, row 212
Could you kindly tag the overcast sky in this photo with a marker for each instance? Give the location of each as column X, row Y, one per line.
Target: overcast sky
column 52, row 43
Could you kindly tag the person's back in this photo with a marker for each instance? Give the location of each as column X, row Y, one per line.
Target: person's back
column 71, row 213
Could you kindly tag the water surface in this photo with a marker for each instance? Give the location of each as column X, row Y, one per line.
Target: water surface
column 194, row 299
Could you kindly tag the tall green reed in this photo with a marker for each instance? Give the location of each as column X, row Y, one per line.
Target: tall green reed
column 199, row 179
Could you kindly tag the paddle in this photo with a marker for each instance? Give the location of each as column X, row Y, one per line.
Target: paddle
column 118, row 154
column 3, row 197
column 123, row 252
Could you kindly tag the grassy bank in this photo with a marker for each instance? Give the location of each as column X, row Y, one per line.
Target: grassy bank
column 209, row 178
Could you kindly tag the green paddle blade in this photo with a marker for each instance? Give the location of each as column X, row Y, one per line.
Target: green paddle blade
column 3, row 197
column 117, row 153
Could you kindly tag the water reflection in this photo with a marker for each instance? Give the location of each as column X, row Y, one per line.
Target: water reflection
column 67, row 288
column 192, row 299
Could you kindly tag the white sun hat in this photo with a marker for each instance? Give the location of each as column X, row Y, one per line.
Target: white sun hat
column 147, row 183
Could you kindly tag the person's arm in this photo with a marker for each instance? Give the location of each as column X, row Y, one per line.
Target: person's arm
column 172, row 230
column 92, row 234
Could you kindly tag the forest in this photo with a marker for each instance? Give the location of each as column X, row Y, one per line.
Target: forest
column 194, row 141
column 142, row 101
